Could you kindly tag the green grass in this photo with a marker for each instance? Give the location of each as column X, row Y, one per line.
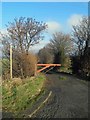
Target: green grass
column 0, row 96
column 17, row 97
column 62, row 78
column 64, row 69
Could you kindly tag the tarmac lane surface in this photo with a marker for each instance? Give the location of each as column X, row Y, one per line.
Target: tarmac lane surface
column 69, row 98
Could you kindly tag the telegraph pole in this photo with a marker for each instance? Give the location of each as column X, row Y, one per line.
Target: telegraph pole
column 10, row 61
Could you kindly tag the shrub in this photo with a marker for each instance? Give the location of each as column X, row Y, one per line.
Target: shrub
column 5, row 68
column 29, row 62
column 24, row 64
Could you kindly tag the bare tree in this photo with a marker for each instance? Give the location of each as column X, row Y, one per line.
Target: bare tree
column 81, row 37
column 25, row 32
column 81, row 34
column 22, row 33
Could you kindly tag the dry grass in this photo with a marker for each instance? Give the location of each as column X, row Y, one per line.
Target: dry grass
column 24, row 65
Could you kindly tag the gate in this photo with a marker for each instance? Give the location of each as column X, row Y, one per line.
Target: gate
column 45, row 66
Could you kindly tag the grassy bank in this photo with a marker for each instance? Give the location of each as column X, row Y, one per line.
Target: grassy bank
column 19, row 94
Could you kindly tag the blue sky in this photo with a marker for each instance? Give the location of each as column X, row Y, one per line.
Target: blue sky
column 59, row 11
column 58, row 15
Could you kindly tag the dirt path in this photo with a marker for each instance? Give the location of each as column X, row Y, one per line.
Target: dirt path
column 69, row 98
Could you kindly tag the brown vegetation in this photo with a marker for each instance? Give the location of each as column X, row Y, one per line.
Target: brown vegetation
column 57, row 51
column 22, row 34
column 24, row 64
column 81, row 39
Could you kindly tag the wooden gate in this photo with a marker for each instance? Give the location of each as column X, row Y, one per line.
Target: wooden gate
column 45, row 66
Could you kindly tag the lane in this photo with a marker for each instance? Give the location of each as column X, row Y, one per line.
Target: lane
column 69, row 98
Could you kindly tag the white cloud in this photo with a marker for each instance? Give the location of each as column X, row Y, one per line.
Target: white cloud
column 74, row 20
column 39, row 46
column 53, row 26
column 3, row 31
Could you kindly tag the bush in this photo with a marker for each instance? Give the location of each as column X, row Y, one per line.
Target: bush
column 5, row 68
column 24, row 65
column 81, row 66
column 75, row 64
column 29, row 62
column 45, row 56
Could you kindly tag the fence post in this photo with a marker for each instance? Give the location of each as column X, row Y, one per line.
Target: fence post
column 35, row 70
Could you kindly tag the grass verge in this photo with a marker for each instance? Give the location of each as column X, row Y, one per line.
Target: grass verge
column 18, row 95
column 62, row 78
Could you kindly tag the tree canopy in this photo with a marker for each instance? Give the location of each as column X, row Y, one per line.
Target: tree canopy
column 25, row 32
